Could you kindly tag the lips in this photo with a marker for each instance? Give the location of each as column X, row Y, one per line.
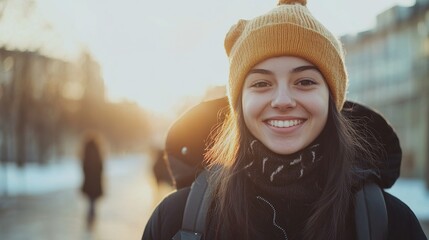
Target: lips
column 284, row 123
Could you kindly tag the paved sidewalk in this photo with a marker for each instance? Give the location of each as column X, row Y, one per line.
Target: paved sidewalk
column 121, row 214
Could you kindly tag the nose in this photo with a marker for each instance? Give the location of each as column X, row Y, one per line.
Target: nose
column 283, row 99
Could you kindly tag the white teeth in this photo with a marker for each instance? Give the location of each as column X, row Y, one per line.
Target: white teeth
column 284, row 123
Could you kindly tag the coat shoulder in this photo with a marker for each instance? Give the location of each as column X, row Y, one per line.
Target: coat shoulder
column 402, row 222
column 166, row 219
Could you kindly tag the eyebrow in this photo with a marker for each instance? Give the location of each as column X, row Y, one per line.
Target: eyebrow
column 295, row 70
column 261, row 71
column 304, row 68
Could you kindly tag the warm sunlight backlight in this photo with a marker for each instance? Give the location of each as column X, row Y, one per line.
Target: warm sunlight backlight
column 155, row 52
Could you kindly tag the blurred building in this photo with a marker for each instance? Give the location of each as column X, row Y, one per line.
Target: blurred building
column 389, row 70
column 37, row 93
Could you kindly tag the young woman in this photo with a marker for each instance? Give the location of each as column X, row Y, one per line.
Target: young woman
column 289, row 160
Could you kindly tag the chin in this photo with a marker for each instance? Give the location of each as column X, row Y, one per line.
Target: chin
column 284, row 151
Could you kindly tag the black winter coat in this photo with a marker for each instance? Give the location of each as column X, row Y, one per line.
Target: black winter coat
column 166, row 220
column 92, row 167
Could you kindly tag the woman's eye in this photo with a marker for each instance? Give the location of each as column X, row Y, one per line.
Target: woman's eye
column 306, row 82
column 260, row 84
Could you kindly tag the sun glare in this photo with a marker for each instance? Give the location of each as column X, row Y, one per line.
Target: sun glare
column 158, row 52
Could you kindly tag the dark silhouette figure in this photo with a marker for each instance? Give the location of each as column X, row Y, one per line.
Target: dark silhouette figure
column 92, row 167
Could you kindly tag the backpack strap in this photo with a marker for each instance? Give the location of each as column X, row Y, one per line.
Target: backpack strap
column 370, row 213
column 196, row 208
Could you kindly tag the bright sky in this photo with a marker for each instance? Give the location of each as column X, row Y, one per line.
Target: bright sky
column 155, row 52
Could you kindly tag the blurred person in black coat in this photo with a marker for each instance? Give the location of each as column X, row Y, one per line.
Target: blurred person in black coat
column 92, row 166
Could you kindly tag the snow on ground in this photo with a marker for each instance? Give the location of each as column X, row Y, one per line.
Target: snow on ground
column 35, row 179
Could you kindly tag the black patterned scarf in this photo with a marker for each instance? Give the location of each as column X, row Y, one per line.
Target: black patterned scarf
column 292, row 177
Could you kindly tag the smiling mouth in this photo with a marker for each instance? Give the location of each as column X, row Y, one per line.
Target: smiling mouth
column 284, row 123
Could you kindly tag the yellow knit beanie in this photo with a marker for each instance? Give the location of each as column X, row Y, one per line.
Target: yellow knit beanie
column 288, row 29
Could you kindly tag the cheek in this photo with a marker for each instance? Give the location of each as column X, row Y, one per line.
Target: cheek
column 246, row 105
column 317, row 105
column 252, row 107
column 321, row 108
column 323, row 116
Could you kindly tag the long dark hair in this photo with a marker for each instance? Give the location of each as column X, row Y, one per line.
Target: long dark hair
column 230, row 205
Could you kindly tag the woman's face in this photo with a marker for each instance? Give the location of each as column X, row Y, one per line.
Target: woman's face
column 285, row 103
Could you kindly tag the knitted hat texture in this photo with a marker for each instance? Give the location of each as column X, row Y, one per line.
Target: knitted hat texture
column 288, row 29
